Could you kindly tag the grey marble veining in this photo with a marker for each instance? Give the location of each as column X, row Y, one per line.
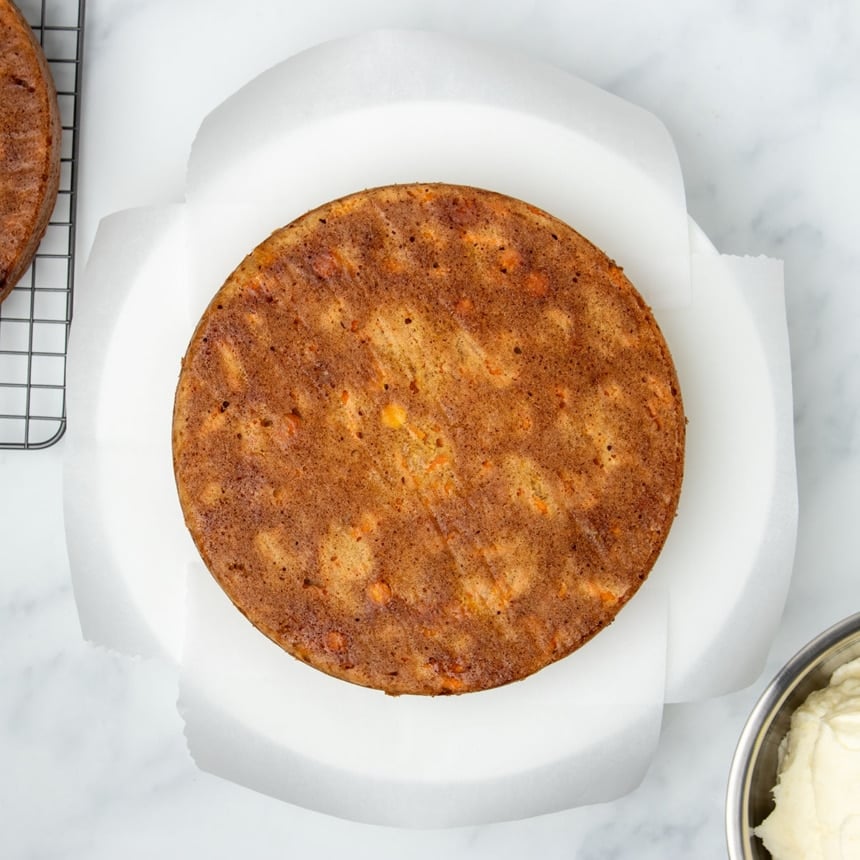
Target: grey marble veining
column 763, row 101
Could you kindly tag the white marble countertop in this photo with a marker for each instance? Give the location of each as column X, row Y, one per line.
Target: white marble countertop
column 762, row 101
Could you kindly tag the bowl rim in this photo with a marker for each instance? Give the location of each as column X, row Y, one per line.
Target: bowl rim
column 783, row 683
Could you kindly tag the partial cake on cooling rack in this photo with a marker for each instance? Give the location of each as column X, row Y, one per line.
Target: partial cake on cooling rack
column 30, row 143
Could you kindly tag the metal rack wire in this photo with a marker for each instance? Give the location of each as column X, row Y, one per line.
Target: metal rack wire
column 35, row 317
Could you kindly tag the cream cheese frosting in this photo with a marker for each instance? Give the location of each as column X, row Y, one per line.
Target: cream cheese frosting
column 817, row 795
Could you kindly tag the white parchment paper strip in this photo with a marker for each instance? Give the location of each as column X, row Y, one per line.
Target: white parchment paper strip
column 568, row 735
column 727, row 563
column 124, row 531
column 396, row 106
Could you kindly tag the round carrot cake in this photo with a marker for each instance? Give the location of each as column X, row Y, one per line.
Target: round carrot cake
column 428, row 439
column 30, row 139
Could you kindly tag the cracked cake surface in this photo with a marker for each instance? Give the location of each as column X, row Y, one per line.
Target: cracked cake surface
column 428, row 439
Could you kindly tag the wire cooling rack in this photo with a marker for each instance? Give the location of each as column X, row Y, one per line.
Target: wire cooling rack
column 35, row 317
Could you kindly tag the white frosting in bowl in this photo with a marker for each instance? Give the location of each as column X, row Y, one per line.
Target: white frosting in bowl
column 817, row 795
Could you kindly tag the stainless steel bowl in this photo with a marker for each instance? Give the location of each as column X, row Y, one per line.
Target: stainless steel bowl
column 753, row 771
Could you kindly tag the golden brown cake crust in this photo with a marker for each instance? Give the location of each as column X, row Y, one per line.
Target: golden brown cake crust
column 428, row 439
column 30, row 139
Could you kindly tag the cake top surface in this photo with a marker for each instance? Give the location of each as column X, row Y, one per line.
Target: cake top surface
column 428, row 438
